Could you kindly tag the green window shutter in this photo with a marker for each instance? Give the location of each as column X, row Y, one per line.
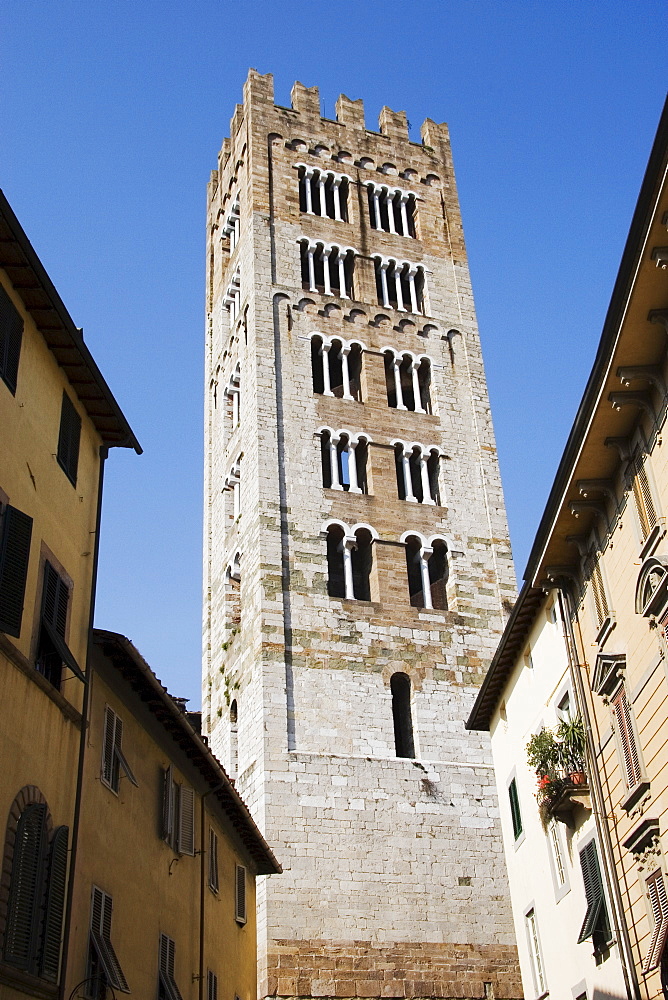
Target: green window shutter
column 515, row 813
column 55, row 901
column 26, row 889
column 55, row 600
column 240, row 895
column 69, row 438
column 14, row 557
column 595, row 919
column 11, row 334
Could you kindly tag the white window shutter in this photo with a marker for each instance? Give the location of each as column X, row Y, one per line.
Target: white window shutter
column 186, row 843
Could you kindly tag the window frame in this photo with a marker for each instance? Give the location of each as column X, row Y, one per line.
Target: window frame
column 240, row 894
column 657, row 911
column 100, row 945
column 519, row 834
column 15, row 543
column 535, row 951
column 113, row 759
column 11, row 341
column 178, row 823
column 166, row 962
column 213, row 870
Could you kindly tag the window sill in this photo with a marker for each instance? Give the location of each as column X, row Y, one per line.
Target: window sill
column 24, row 665
column 635, row 795
column 33, row 986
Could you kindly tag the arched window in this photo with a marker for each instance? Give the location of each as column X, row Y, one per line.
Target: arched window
column 391, row 209
column 349, row 562
column 323, row 193
column 427, row 570
column 36, row 865
column 400, row 686
column 417, row 473
column 233, row 594
column 408, row 381
column 399, row 284
column 327, row 269
column 234, row 740
column 336, row 368
column 344, row 461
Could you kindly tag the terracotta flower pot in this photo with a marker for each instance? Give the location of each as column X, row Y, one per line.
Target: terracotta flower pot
column 577, row 778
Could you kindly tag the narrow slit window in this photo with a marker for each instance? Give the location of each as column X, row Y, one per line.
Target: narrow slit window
column 400, row 687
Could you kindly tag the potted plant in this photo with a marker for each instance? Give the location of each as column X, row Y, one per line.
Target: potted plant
column 543, row 753
column 572, row 742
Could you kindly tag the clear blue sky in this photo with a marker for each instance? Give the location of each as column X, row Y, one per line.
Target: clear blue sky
column 111, row 118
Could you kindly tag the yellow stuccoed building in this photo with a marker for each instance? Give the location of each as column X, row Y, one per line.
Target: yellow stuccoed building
column 128, row 858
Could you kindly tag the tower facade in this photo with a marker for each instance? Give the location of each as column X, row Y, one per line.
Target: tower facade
column 357, row 562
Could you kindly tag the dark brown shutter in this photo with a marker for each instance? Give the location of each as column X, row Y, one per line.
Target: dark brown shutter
column 211, row 986
column 55, row 599
column 168, row 805
column 186, row 841
column 213, row 860
column 14, row 556
column 55, row 901
column 11, row 333
column 240, row 894
column 26, row 889
column 108, row 741
column 621, row 712
column 68, row 439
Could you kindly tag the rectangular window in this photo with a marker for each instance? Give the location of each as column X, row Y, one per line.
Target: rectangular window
column 515, row 813
column 628, row 748
column 598, row 594
column 178, row 814
column 213, row 860
column 113, row 758
column 643, row 499
column 211, row 986
column 15, row 535
column 595, row 924
column 240, row 895
column 167, row 988
column 534, row 952
column 104, row 969
column 658, row 900
column 68, row 439
column 11, row 334
column 52, row 651
column 557, row 854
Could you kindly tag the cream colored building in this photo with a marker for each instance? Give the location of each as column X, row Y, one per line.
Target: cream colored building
column 601, row 554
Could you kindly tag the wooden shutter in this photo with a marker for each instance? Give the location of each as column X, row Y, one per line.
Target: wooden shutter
column 55, row 901
column 621, row 712
column 11, row 334
column 186, row 839
column 55, row 599
column 656, row 890
column 213, row 860
column 101, row 910
column 240, row 895
column 591, row 876
column 68, row 439
column 168, row 805
column 14, row 557
column 515, row 813
column 643, row 499
column 166, row 968
column 211, row 986
column 598, row 591
column 108, row 743
column 26, row 889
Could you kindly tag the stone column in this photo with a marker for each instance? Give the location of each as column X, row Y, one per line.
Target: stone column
column 404, row 215
column 334, row 462
column 408, row 481
column 336, row 183
column 343, row 291
column 311, row 268
column 426, row 486
column 383, row 282
column 352, row 467
column 412, row 271
column 321, row 189
column 397, row 285
column 425, row 553
column 343, row 354
column 325, row 268
column 324, row 351
column 389, row 197
column 396, row 364
column 419, row 408
column 348, row 543
column 308, row 174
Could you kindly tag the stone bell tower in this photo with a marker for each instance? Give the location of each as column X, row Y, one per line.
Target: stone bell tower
column 357, row 562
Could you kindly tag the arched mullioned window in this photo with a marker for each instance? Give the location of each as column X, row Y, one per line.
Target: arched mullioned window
column 323, row 192
column 400, row 285
column 427, row 571
column 400, row 686
column 349, row 560
column 233, row 592
column 417, row 469
column 344, row 460
column 327, row 268
column 32, row 893
column 336, row 367
column 391, row 209
column 408, row 381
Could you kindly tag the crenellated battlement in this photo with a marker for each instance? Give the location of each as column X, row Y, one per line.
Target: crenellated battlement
column 258, row 94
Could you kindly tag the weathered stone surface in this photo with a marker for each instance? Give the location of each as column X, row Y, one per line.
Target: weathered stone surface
column 373, row 846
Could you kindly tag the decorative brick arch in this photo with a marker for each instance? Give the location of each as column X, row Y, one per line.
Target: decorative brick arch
column 29, row 795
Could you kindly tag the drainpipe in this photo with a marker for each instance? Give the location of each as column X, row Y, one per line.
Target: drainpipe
column 85, row 709
column 568, row 614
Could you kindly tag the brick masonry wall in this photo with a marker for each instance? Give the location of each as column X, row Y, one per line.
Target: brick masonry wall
column 389, row 862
